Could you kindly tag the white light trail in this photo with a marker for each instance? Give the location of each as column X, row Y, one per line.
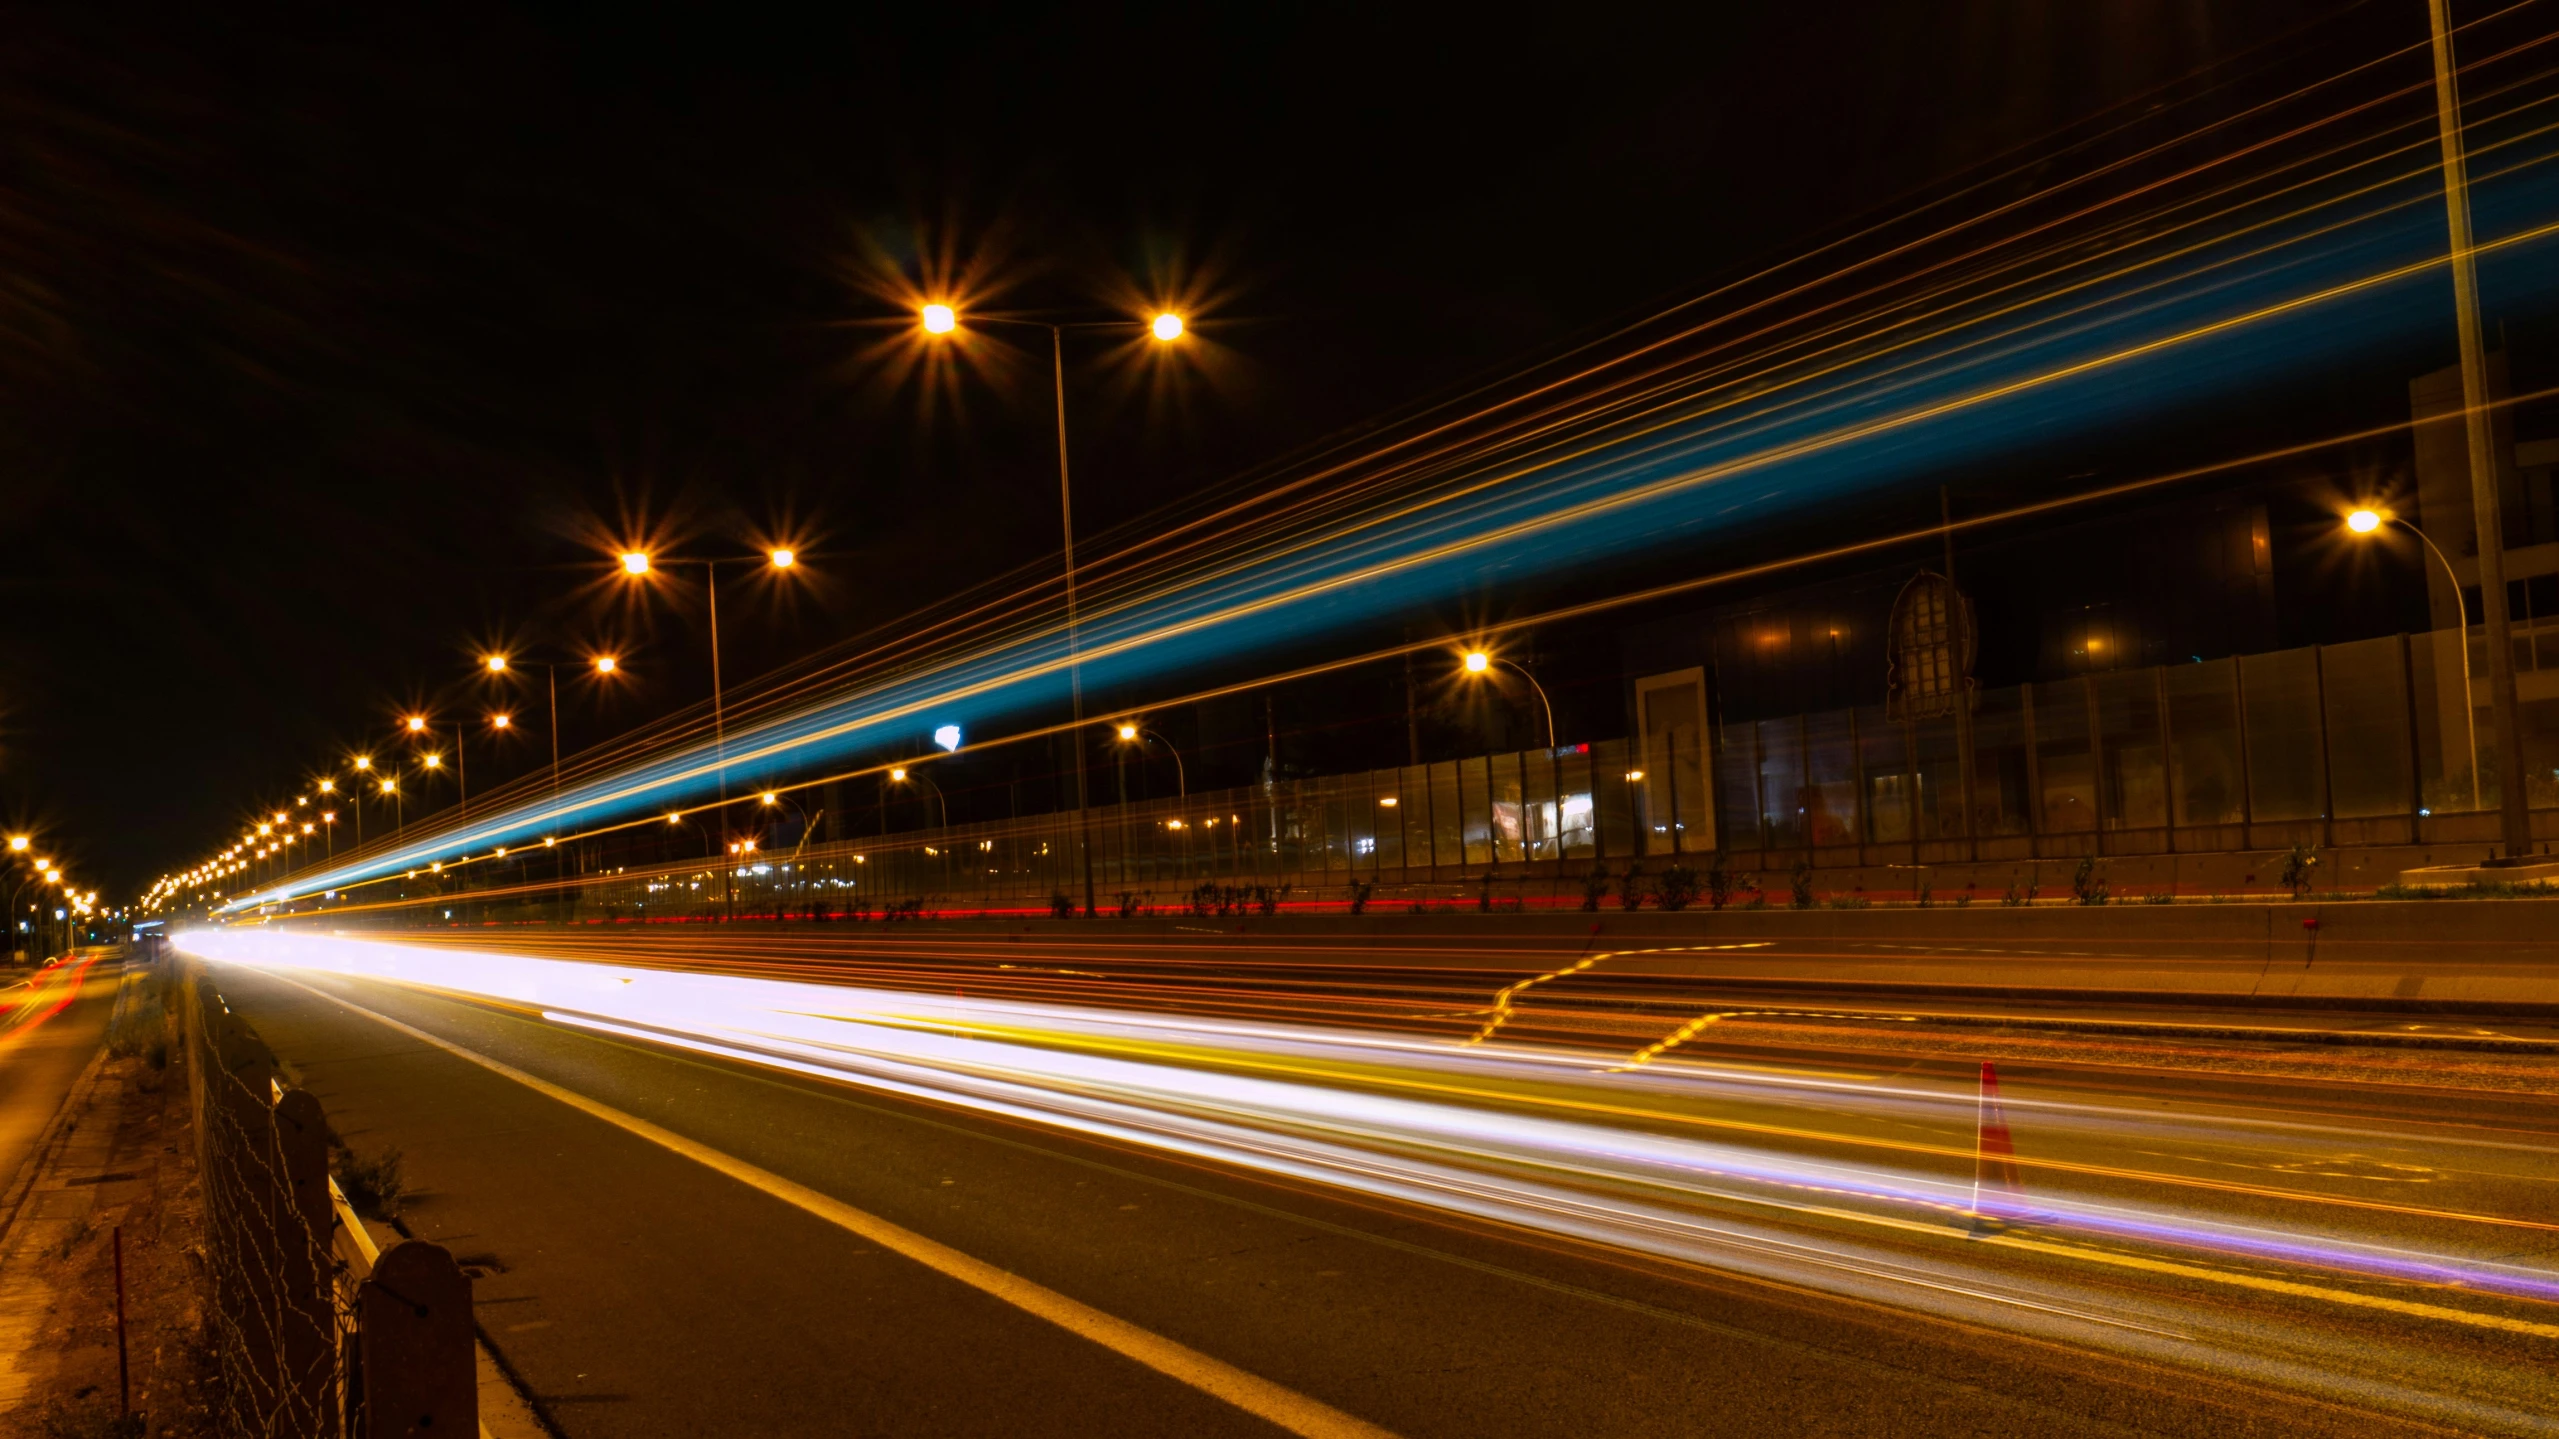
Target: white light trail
column 1548, row 1141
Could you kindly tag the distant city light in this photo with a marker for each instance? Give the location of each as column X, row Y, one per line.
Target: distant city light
column 947, row 736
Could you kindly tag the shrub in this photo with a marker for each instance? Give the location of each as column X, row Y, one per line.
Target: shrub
column 1719, row 883
column 1850, row 901
column 1266, row 900
column 1132, row 903
column 2299, row 861
column 1631, row 889
column 1800, row 884
column 1677, row 887
column 2087, row 885
column 374, row 1186
column 1204, row 898
column 1361, row 889
column 1061, row 905
column 1594, row 888
column 1927, row 893
column 2021, row 891
column 1484, row 893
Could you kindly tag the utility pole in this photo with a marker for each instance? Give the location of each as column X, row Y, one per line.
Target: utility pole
column 1957, row 628
column 1074, row 663
column 2504, row 712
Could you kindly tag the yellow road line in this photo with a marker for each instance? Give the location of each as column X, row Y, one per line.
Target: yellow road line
column 1259, row 1397
column 2283, row 1286
column 1502, row 998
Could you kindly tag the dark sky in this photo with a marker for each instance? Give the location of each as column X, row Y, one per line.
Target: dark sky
column 330, row 342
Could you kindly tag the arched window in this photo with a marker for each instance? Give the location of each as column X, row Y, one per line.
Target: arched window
column 1931, row 649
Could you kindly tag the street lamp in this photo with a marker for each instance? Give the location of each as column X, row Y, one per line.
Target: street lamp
column 2369, row 521
column 1138, row 734
column 638, row 564
column 899, row 775
column 938, row 318
column 1481, row 662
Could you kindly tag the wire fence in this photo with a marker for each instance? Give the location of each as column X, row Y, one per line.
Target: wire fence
column 303, row 1338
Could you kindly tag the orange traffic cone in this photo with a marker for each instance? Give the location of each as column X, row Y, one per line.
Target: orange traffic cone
column 1994, row 1154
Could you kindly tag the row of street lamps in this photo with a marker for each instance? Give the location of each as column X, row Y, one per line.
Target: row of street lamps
column 938, row 320
column 37, row 871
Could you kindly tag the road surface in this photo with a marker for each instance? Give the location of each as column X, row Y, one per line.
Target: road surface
column 51, row 1024
column 1101, row 1194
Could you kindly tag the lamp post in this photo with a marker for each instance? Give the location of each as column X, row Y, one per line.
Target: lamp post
column 941, row 319
column 499, row 665
column 1138, row 734
column 2505, row 712
column 2365, row 522
column 639, row 565
column 1480, row 662
column 363, row 766
column 900, row 775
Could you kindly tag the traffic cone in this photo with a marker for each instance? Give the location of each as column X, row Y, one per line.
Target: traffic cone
column 1994, row 1154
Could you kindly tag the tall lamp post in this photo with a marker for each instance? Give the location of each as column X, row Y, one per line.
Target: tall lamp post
column 639, row 565
column 2505, row 712
column 1481, row 662
column 1138, row 734
column 940, row 319
column 2365, row 522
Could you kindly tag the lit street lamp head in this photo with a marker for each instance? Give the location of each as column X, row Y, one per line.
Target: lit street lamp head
column 417, row 724
column 939, row 320
column 435, row 761
column 1477, row 662
column 18, row 843
column 364, row 761
column 784, row 559
column 635, row 562
column 501, row 721
column 1128, row 732
column 1168, row 326
column 496, row 664
column 898, row 775
column 606, row 664
column 2363, row 522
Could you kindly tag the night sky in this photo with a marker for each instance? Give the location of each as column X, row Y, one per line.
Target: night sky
column 332, row 347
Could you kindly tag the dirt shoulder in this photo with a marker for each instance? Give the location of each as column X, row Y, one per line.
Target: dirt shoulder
column 120, row 1173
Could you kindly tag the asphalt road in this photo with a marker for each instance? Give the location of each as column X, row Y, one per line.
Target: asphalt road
column 641, row 1286
column 51, row 1022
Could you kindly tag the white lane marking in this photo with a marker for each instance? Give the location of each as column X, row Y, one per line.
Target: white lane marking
column 1251, row 1393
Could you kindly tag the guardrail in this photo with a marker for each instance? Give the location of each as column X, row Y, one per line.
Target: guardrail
column 317, row 1333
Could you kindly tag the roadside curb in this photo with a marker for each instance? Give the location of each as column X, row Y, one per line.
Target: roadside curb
column 40, row 1156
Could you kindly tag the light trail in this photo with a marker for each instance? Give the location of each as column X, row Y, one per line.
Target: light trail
column 1834, row 385
column 1848, row 1187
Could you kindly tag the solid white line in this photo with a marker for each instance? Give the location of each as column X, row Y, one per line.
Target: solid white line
column 1251, row 1393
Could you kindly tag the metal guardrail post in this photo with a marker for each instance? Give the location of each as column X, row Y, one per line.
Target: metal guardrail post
column 413, row 1321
